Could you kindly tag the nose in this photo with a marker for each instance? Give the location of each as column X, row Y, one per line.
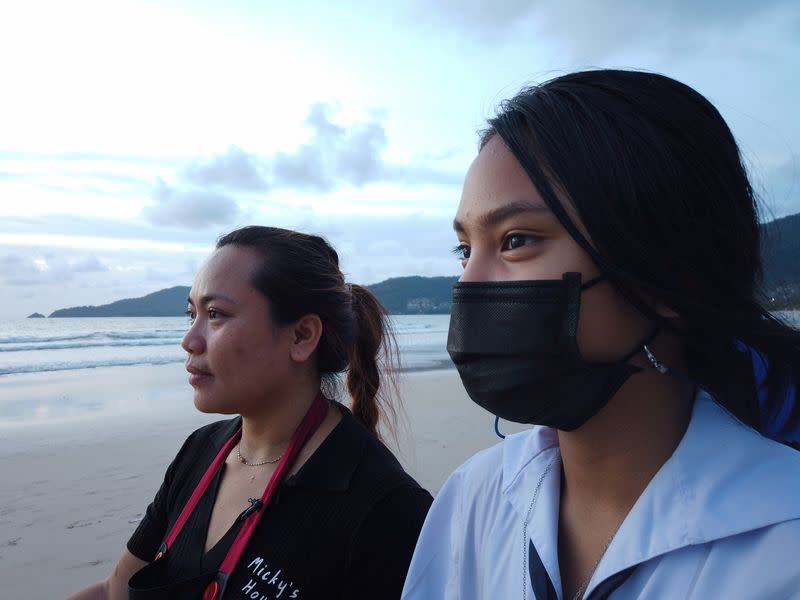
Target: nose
column 193, row 341
column 476, row 269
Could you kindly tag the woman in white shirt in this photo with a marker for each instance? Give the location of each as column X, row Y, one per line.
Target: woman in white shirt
column 610, row 296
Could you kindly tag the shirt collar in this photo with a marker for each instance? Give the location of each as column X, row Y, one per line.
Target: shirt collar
column 723, row 479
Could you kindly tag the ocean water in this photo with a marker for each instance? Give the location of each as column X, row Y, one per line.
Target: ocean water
column 45, row 345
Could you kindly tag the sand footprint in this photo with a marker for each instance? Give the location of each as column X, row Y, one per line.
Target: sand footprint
column 75, row 524
column 91, row 563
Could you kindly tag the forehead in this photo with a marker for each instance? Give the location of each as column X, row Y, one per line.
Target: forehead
column 228, row 269
column 494, row 179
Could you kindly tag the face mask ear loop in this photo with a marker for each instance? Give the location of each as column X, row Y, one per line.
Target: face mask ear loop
column 592, row 282
column 497, row 428
column 642, row 346
column 664, row 369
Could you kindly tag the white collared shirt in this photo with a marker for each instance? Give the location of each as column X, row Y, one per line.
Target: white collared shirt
column 720, row 519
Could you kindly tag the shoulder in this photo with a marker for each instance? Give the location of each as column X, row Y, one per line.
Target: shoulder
column 204, row 442
column 479, row 472
column 216, row 431
column 376, row 472
column 471, row 490
column 398, row 514
column 495, row 469
column 387, row 489
column 735, row 479
column 756, row 561
column 486, row 495
column 447, row 542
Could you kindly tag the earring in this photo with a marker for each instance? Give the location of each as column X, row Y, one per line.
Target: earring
column 657, row 364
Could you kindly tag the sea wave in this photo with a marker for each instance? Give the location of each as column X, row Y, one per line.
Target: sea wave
column 99, row 344
column 40, row 346
column 98, row 335
column 88, row 364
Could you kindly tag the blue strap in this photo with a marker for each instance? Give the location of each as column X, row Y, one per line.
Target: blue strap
column 497, row 428
column 775, row 424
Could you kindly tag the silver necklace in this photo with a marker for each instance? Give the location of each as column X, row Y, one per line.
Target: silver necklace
column 244, row 461
column 525, row 557
column 582, row 589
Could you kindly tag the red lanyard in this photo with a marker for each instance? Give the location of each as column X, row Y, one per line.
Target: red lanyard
column 310, row 423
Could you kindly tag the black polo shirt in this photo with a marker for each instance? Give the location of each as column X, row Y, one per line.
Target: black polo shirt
column 344, row 526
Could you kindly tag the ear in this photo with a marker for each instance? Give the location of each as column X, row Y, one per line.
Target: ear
column 661, row 309
column 665, row 311
column 306, row 332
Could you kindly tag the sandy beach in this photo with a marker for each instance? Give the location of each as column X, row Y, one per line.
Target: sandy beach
column 88, row 450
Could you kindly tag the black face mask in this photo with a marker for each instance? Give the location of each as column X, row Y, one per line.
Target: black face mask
column 514, row 345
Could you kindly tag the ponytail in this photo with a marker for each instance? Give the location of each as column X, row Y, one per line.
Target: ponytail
column 299, row 274
column 373, row 351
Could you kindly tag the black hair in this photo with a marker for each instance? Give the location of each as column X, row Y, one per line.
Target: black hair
column 657, row 179
column 299, row 274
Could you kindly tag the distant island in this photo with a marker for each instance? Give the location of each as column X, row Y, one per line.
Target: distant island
column 400, row 295
column 36, row 316
column 170, row 302
column 431, row 295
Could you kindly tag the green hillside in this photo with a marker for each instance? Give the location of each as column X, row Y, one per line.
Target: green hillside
column 781, row 256
column 170, row 302
column 431, row 295
column 415, row 295
column 402, row 295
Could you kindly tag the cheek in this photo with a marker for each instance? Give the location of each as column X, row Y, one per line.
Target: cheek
column 238, row 345
column 254, row 351
column 608, row 327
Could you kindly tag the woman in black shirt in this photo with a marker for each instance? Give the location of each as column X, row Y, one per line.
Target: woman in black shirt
column 296, row 497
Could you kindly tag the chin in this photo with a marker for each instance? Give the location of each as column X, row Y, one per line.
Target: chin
column 206, row 404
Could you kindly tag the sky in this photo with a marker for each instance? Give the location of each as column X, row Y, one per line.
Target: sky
column 134, row 134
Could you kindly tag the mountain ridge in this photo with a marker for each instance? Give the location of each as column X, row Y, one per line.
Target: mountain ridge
column 400, row 295
column 432, row 295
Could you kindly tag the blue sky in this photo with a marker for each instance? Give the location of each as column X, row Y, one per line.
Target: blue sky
column 132, row 134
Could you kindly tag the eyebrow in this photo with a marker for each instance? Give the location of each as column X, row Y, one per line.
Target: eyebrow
column 502, row 213
column 210, row 298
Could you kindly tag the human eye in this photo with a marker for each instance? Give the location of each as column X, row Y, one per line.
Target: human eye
column 213, row 313
column 462, row 251
column 191, row 314
column 513, row 241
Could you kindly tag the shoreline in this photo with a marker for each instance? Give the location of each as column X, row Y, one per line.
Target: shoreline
column 60, row 398
column 76, row 487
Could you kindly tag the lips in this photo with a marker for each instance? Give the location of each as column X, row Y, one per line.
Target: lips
column 198, row 376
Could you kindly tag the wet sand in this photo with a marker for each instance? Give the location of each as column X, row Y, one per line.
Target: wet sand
column 85, row 451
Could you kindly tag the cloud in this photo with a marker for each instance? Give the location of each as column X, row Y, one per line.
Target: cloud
column 16, row 269
column 42, row 268
column 98, row 233
column 488, row 21
column 371, row 248
column 592, row 30
column 415, row 175
column 779, row 190
column 335, row 155
column 375, row 248
column 234, row 169
column 190, row 208
column 90, row 264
